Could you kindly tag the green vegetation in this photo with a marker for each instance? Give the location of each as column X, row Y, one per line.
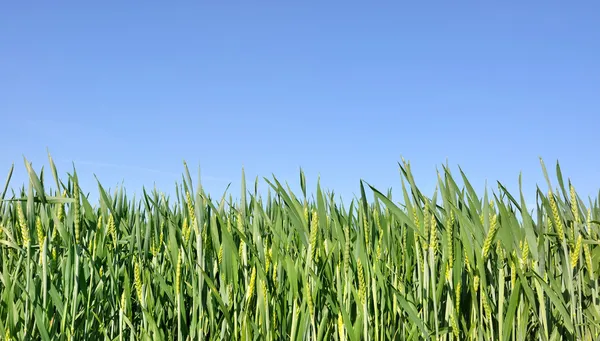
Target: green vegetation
column 453, row 266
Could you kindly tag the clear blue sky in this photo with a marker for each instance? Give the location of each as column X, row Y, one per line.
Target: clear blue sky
column 344, row 89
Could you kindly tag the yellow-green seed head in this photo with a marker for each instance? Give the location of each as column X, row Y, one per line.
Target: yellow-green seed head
column 306, row 212
column 486, row 304
column 433, row 243
column 153, row 248
column 454, row 325
column 220, row 255
column 275, row 274
column 60, row 214
column 467, row 263
column 558, row 220
column 161, row 236
column 23, row 226
column 513, row 274
column 206, row 238
column 240, row 221
column 40, row 230
column 123, row 302
column 416, row 217
column 340, row 327
column 309, row 300
column 525, row 255
column 314, row 227
column 76, row 212
column 185, row 230
column 230, row 293
column 588, row 258
column 379, row 245
column 178, row 274
column 190, row 207
column 426, row 221
column 241, row 250
column 366, row 230
column 138, row 280
column 42, row 243
column 252, row 283
column 499, row 250
column 404, row 243
column 274, row 320
column 263, row 285
column 457, row 297
column 268, row 256
column 362, row 287
column 576, row 252
column 574, row 206
column 347, row 250
column 490, row 236
column 377, row 219
column 476, row 283
column 449, row 273
column 111, row 226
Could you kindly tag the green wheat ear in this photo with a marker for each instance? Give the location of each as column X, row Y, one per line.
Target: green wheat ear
column 347, row 250
column 190, row 207
column 558, row 220
column 314, row 228
column 23, row 226
column 576, row 252
column 454, row 325
column 340, row 327
column 361, row 282
column 588, row 258
column 178, row 274
column 486, row 304
column 490, row 236
column 574, row 206
column 138, row 280
column 252, row 284
column 40, row 231
column 76, row 212
column 311, row 307
column 433, row 243
column 467, row 263
column 525, row 253
column 457, row 295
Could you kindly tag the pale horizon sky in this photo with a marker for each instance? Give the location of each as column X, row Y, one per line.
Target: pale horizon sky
column 342, row 89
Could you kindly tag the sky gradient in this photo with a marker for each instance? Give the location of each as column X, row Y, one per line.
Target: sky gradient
column 343, row 89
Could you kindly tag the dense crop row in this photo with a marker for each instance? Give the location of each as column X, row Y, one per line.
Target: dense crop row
column 454, row 266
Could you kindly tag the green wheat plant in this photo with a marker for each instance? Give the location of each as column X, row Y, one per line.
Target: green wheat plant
column 279, row 265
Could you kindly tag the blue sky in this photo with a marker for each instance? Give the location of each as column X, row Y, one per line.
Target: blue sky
column 344, row 89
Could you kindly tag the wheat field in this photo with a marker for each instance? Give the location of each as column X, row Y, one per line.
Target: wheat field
column 457, row 265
